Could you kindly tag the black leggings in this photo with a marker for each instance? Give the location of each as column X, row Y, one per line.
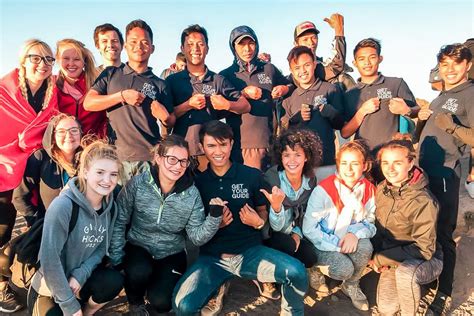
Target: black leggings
column 155, row 277
column 103, row 285
column 7, row 221
column 286, row 244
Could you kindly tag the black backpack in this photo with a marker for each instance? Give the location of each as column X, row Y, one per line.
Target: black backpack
column 26, row 246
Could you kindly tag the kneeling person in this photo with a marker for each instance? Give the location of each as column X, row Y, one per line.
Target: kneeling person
column 236, row 250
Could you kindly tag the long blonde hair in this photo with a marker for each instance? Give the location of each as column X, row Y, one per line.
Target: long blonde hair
column 95, row 149
column 46, row 51
column 86, row 56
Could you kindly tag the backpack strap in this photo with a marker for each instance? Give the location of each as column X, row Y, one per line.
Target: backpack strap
column 74, row 216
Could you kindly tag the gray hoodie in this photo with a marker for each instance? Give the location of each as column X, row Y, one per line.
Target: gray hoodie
column 77, row 255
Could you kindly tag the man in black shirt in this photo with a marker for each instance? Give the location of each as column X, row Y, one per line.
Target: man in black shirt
column 236, row 250
column 449, row 127
column 134, row 99
column 199, row 94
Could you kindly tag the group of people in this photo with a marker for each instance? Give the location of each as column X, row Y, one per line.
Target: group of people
column 127, row 172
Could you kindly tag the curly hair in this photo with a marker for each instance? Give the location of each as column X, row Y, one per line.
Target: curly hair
column 307, row 140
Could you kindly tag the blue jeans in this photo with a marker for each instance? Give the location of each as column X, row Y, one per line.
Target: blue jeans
column 204, row 277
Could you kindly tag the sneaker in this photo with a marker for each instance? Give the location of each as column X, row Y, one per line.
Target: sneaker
column 8, row 302
column 137, row 310
column 267, row 289
column 441, row 304
column 215, row 304
column 358, row 298
column 317, row 280
column 469, row 188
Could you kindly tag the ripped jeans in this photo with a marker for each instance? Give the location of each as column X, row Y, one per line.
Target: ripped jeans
column 208, row 273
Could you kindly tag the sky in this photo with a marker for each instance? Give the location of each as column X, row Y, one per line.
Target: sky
column 411, row 31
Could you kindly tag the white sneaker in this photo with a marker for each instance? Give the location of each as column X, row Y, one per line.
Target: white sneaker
column 358, row 298
column 470, row 188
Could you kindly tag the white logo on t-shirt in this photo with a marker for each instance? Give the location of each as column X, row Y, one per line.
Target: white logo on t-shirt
column 208, row 90
column 239, row 192
column 384, row 93
column 451, row 105
column 264, row 79
column 149, row 90
column 92, row 237
column 319, row 100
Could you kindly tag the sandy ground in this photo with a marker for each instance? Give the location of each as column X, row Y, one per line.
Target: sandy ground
column 243, row 298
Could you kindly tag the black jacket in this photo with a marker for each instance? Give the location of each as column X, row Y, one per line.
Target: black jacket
column 43, row 180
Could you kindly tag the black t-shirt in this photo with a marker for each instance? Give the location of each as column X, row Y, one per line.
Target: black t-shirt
column 322, row 122
column 239, row 186
column 378, row 127
column 254, row 129
column 135, row 129
column 440, row 151
column 183, row 86
column 36, row 101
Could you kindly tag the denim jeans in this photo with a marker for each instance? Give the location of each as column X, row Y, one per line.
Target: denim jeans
column 205, row 276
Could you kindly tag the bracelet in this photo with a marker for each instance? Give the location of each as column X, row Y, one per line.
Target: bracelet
column 259, row 227
column 123, row 99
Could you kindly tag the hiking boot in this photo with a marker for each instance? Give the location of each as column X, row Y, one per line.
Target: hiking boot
column 441, row 304
column 353, row 291
column 317, row 280
column 215, row 304
column 8, row 301
column 267, row 289
column 137, row 310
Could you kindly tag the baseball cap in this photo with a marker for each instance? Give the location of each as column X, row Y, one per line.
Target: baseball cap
column 434, row 75
column 241, row 37
column 303, row 27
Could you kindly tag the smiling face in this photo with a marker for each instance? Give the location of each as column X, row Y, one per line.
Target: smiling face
column 217, row 151
column 37, row 72
column 395, row 165
column 195, row 49
column 67, row 135
column 71, row 62
column 109, row 46
column 302, row 69
column 101, row 177
column 453, row 73
column 308, row 39
column 245, row 49
column 367, row 61
column 139, row 45
column 166, row 169
column 293, row 160
column 351, row 167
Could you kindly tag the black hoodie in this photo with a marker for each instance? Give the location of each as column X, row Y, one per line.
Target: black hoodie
column 44, row 178
column 254, row 129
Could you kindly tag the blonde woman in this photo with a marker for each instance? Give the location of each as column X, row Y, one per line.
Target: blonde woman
column 71, row 279
column 76, row 75
column 28, row 100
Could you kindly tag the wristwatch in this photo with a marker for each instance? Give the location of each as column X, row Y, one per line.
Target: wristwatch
column 259, row 227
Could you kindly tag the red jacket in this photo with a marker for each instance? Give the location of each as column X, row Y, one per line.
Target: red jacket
column 21, row 130
column 92, row 122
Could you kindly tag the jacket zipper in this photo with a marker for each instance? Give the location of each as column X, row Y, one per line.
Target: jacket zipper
column 163, row 201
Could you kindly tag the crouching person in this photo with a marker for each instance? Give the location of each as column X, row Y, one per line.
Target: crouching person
column 405, row 249
column 156, row 210
column 339, row 220
column 71, row 279
column 236, row 250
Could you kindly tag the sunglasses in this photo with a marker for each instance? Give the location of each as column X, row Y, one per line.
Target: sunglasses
column 36, row 59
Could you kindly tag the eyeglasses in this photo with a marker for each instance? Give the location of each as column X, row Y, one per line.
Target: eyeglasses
column 36, row 59
column 74, row 131
column 172, row 160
